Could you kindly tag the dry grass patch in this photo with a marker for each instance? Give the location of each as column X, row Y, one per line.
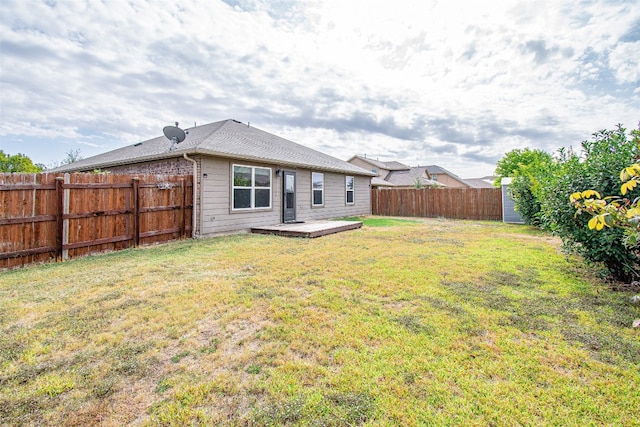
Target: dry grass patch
column 428, row 322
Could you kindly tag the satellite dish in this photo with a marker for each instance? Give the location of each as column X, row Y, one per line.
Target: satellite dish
column 174, row 134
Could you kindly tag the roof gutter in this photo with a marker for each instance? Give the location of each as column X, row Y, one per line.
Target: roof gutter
column 194, row 209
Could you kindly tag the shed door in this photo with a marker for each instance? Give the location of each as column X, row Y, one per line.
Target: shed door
column 289, row 197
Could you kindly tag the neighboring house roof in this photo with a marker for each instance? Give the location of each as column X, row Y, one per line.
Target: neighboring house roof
column 485, row 182
column 479, row 183
column 437, row 170
column 379, row 182
column 396, row 166
column 391, row 166
column 227, row 138
column 407, row 178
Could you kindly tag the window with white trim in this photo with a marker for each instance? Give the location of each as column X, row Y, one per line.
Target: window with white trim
column 350, row 188
column 317, row 189
column 251, row 187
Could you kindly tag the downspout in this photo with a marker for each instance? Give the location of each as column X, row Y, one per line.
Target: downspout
column 195, row 195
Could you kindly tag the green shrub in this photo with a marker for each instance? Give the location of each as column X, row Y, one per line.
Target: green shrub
column 526, row 203
column 528, row 169
column 597, row 168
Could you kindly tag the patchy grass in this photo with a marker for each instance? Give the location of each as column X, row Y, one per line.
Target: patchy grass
column 427, row 322
column 376, row 221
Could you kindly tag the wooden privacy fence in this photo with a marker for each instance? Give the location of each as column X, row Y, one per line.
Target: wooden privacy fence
column 455, row 203
column 56, row 216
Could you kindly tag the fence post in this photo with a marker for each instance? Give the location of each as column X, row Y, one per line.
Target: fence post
column 373, row 201
column 376, row 193
column 65, row 222
column 136, row 211
column 59, row 214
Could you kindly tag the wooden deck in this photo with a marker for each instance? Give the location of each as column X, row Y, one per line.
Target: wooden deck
column 308, row 229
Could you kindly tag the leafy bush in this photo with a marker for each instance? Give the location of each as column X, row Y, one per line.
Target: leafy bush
column 527, row 168
column 597, row 168
column 616, row 212
column 526, row 203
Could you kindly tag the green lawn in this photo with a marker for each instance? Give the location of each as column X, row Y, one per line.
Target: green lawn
column 429, row 322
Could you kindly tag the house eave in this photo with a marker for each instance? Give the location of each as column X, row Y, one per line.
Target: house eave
column 106, row 165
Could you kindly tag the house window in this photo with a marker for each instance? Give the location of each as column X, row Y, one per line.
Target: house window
column 317, row 188
column 349, row 184
column 251, row 187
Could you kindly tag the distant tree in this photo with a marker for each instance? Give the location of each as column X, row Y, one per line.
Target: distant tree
column 18, row 163
column 516, row 160
column 72, row 157
column 417, row 183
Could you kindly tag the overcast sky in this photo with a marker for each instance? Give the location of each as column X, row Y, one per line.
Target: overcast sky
column 456, row 83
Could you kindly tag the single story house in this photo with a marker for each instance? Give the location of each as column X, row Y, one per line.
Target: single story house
column 245, row 177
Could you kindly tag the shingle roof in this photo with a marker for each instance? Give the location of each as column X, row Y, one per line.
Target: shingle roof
column 391, row 166
column 379, row 182
column 479, row 183
column 437, row 169
column 227, row 138
column 408, row 177
column 396, row 166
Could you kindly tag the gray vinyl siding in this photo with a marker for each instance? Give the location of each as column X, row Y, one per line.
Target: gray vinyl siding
column 335, row 198
column 216, row 215
column 362, row 197
column 509, row 213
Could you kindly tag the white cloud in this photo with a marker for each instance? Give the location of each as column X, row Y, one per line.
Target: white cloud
column 624, row 60
column 428, row 81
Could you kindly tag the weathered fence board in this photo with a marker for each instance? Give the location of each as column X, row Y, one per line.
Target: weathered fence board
column 28, row 218
column 454, row 203
column 55, row 216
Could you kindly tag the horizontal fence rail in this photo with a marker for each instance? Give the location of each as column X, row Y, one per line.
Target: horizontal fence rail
column 56, row 216
column 455, row 203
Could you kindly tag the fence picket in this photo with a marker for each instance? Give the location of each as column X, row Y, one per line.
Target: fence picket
column 454, row 203
column 55, row 216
